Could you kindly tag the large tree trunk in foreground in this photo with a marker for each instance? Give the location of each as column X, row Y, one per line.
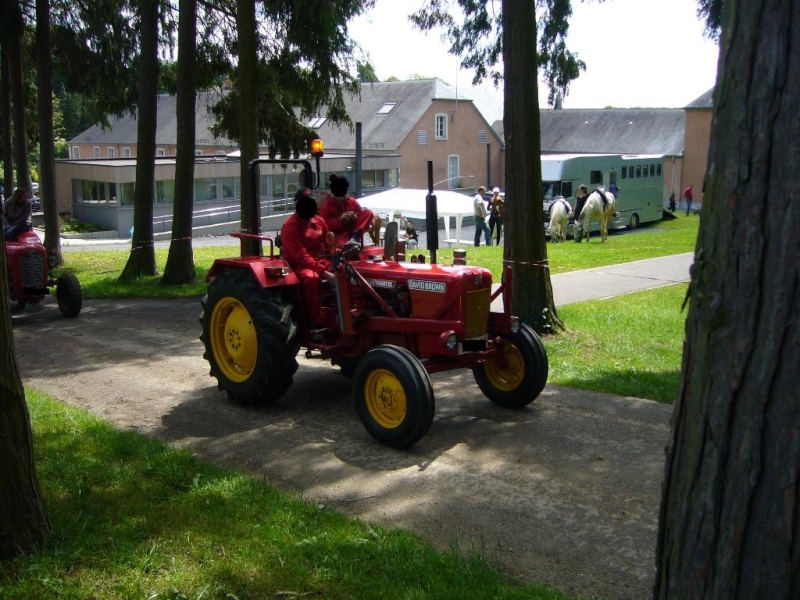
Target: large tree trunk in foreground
column 525, row 247
column 142, row 260
column 180, row 261
column 730, row 515
column 23, row 523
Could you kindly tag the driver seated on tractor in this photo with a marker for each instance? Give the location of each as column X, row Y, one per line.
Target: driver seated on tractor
column 303, row 239
column 17, row 211
column 344, row 214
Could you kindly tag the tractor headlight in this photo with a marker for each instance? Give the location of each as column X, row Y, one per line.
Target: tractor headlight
column 515, row 324
column 449, row 339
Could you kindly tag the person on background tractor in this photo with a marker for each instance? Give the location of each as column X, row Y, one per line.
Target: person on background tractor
column 304, row 241
column 16, row 213
column 343, row 214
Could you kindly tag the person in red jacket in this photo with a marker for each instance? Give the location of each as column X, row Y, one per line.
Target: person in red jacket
column 344, row 214
column 303, row 242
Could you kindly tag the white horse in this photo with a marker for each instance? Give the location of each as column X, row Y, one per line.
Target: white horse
column 597, row 210
column 559, row 217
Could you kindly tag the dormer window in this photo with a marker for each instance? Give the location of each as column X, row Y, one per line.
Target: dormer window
column 316, row 122
column 387, row 108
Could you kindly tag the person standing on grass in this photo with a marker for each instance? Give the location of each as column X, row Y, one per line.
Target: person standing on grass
column 688, row 195
column 480, row 218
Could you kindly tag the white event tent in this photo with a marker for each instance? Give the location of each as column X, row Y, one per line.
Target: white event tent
column 411, row 203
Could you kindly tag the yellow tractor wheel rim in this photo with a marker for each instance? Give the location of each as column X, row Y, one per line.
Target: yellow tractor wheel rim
column 233, row 339
column 507, row 369
column 385, row 398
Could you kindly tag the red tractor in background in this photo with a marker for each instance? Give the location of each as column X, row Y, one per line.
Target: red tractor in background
column 31, row 277
column 390, row 324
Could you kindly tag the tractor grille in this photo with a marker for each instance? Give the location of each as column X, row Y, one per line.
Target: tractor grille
column 477, row 313
column 32, row 265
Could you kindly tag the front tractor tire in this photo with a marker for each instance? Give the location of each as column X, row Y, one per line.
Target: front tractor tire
column 69, row 295
column 393, row 396
column 516, row 375
column 250, row 339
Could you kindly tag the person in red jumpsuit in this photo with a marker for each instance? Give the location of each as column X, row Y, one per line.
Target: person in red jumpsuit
column 303, row 242
column 344, row 214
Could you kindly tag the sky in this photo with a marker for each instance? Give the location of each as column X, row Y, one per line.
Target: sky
column 638, row 53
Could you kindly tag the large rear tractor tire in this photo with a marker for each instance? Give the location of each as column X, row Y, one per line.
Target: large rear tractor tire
column 515, row 376
column 393, row 396
column 250, row 339
column 69, row 294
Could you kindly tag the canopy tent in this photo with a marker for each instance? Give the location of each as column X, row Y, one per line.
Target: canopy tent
column 411, row 203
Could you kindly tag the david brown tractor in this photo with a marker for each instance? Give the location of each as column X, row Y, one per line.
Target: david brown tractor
column 390, row 324
column 31, row 277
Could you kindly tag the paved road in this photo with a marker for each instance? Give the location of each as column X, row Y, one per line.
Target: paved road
column 565, row 491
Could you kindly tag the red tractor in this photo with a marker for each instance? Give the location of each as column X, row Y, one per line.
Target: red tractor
column 30, row 271
column 390, row 324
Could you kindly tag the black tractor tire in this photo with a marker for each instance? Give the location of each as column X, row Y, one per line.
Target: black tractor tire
column 393, row 396
column 69, row 294
column 250, row 339
column 516, row 378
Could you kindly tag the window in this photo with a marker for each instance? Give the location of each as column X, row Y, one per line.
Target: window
column 387, row 108
column 76, row 152
column 441, row 127
column 658, row 170
column 624, row 172
column 160, row 152
column 566, row 189
column 228, row 188
column 638, row 171
column 198, row 153
column 205, row 190
column 453, row 171
column 652, row 170
column 316, row 122
column 596, row 177
column 165, row 191
column 97, row 151
column 126, row 152
column 482, row 136
column 110, row 152
column 422, row 137
column 127, row 193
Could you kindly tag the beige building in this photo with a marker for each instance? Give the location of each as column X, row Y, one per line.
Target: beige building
column 695, row 146
column 402, row 125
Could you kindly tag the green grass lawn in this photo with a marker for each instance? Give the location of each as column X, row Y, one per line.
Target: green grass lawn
column 629, row 345
column 135, row 519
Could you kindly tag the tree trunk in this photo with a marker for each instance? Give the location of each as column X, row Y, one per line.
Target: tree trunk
column 47, row 150
column 142, row 260
column 17, row 93
column 525, row 249
column 730, row 513
column 247, row 81
column 180, row 262
column 5, row 116
column 23, row 523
